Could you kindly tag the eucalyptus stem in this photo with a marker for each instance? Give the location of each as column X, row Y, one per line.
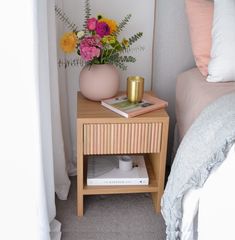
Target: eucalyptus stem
column 101, row 57
column 114, row 48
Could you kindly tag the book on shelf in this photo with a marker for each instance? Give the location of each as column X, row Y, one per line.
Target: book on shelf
column 122, row 106
column 105, row 171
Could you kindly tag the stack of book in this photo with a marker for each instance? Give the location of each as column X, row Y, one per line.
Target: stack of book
column 104, row 170
column 122, row 106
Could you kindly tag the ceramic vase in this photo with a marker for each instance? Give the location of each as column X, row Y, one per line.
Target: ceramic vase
column 99, row 81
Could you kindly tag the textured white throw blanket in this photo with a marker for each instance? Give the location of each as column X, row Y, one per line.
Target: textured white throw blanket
column 203, row 148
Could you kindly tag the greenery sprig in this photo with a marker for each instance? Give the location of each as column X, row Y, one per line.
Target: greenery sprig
column 133, row 49
column 87, row 10
column 122, row 24
column 135, row 38
column 64, row 18
column 71, row 63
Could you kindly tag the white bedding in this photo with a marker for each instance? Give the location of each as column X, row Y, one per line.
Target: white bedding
column 210, row 210
column 215, row 202
column 203, row 149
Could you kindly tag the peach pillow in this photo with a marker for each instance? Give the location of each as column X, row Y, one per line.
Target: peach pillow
column 200, row 18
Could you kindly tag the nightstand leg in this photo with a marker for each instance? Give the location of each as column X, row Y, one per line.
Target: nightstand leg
column 80, row 169
column 156, row 202
column 162, row 162
column 80, row 204
column 80, row 197
column 158, row 161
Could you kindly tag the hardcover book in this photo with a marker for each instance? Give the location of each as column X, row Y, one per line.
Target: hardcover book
column 104, row 170
column 122, row 106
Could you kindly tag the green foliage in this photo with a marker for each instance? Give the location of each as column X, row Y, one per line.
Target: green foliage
column 120, row 65
column 119, row 61
column 127, row 59
column 135, row 38
column 99, row 17
column 87, row 13
column 123, row 23
column 132, row 49
column 64, row 18
column 71, row 63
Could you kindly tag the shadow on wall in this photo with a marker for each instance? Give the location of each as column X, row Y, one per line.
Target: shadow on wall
column 172, row 55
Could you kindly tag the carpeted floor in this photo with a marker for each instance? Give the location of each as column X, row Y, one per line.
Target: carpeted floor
column 110, row 217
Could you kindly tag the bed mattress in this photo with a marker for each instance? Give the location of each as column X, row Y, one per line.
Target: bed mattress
column 193, row 93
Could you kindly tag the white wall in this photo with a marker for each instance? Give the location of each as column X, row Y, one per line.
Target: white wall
column 171, row 53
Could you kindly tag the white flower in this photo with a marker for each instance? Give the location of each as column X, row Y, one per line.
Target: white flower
column 80, row 34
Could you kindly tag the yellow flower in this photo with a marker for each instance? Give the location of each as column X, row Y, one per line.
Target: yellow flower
column 111, row 23
column 109, row 39
column 125, row 42
column 68, row 42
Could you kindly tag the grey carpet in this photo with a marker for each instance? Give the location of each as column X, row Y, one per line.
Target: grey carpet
column 110, row 217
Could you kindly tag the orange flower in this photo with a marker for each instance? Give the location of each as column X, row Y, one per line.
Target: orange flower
column 68, row 42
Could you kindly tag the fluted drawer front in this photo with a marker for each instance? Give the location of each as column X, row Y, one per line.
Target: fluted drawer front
column 122, row 138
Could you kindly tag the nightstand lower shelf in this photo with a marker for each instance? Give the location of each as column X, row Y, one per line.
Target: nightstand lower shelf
column 96, row 190
column 152, row 187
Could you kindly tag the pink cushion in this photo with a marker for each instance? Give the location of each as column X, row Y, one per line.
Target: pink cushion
column 200, row 18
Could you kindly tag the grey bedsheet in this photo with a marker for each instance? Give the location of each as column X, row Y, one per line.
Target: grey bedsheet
column 203, row 148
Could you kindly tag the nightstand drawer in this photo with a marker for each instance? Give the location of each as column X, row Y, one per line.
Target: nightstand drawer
column 121, row 138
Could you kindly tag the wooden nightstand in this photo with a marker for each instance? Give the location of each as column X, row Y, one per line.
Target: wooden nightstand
column 101, row 131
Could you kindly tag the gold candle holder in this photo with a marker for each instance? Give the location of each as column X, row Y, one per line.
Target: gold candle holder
column 135, row 88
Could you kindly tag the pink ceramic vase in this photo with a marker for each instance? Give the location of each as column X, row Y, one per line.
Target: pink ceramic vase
column 99, row 81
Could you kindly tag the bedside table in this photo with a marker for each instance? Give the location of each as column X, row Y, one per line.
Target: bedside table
column 101, row 132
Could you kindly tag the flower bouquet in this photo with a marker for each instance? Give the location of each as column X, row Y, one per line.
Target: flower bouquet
column 97, row 42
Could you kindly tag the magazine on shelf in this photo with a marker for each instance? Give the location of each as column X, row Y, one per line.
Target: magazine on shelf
column 104, row 171
column 122, row 106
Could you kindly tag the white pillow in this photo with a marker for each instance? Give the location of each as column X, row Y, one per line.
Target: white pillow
column 222, row 64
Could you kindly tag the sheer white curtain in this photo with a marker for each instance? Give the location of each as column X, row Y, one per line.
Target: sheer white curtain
column 31, row 143
column 67, row 93
column 62, row 182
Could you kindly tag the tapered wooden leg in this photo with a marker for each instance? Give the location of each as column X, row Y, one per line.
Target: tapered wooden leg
column 156, row 202
column 80, row 166
column 158, row 161
column 156, row 197
column 80, row 205
column 161, row 166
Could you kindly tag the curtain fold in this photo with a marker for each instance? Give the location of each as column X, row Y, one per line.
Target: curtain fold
column 62, row 182
column 53, row 155
column 65, row 102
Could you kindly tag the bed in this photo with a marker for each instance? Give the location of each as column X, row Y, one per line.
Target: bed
column 193, row 93
column 198, row 207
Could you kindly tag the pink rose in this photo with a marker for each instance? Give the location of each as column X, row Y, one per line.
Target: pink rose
column 91, row 24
